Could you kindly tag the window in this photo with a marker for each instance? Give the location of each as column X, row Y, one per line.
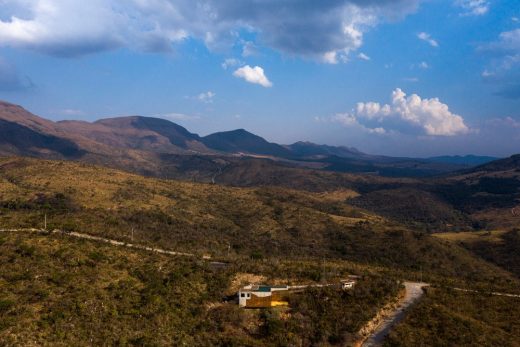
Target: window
column 243, row 295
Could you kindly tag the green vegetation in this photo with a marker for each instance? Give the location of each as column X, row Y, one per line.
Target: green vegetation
column 57, row 290
column 414, row 208
column 64, row 292
column 329, row 316
column 257, row 223
column 317, row 316
column 498, row 247
column 449, row 318
column 505, row 253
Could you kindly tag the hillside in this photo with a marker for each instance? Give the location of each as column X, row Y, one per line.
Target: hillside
column 451, row 318
column 56, row 290
column 498, row 247
column 137, row 133
column 141, row 144
column 200, row 218
column 242, row 141
column 506, row 164
column 416, row 208
column 22, row 133
column 473, row 199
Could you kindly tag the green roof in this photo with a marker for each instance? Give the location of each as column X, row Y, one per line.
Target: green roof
column 263, row 289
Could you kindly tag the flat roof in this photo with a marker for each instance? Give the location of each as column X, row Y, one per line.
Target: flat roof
column 262, row 288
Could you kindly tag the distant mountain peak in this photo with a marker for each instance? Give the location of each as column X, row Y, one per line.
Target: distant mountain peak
column 241, row 140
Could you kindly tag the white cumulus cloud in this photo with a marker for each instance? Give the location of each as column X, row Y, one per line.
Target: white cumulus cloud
column 430, row 115
column 253, row 75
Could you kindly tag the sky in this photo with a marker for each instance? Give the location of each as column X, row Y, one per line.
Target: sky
column 395, row 77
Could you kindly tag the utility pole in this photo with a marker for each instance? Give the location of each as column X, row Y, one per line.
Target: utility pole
column 45, row 222
column 132, row 234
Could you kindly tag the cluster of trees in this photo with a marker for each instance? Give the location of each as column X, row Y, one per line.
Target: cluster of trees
column 59, row 291
column 325, row 316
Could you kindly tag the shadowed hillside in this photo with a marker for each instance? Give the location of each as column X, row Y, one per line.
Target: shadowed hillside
column 20, row 140
column 240, row 140
column 252, row 222
column 140, row 144
column 498, row 247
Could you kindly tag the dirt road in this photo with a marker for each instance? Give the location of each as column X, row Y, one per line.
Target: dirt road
column 413, row 293
column 105, row 240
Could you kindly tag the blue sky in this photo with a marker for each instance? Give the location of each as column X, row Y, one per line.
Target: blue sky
column 400, row 77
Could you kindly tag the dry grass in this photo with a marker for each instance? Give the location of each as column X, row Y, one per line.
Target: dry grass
column 337, row 195
column 473, row 236
column 225, row 222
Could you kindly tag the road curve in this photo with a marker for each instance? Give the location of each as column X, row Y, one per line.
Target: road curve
column 414, row 291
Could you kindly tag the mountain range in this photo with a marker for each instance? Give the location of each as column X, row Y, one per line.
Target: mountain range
column 281, row 212
column 158, row 147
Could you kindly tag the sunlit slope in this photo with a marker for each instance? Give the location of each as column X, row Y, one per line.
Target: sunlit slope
column 216, row 220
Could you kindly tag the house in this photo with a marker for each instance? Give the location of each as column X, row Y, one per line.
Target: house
column 347, row 284
column 262, row 296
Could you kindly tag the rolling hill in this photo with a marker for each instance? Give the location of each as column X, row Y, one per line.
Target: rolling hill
column 242, row 141
column 148, row 145
column 55, row 288
column 137, row 133
column 201, row 218
column 468, row 199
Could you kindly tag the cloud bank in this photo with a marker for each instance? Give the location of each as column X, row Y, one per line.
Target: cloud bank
column 322, row 30
column 405, row 113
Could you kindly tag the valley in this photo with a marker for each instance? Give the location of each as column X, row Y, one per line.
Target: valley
column 259, row 173
column 151, row 230
column 286, row 235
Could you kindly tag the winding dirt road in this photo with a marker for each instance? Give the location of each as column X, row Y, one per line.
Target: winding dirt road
column 414, row 291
